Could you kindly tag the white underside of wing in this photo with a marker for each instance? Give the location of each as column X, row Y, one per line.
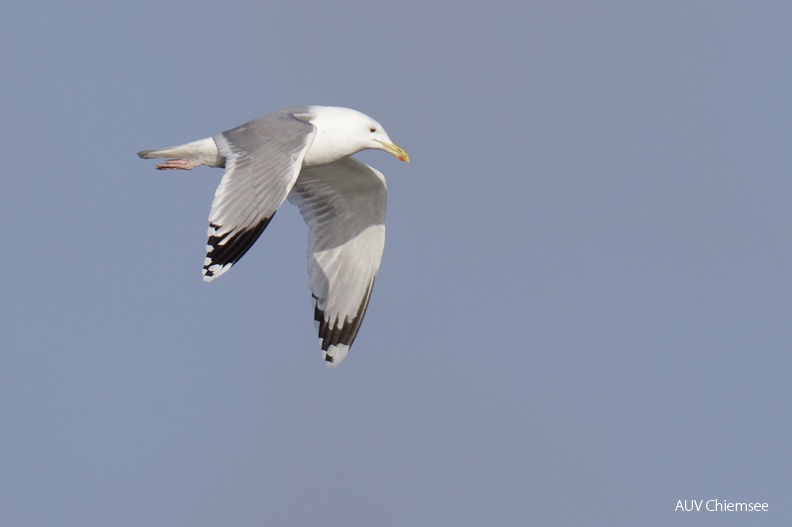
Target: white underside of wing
column 340, row 276
column 341, row 281
column 343, row 204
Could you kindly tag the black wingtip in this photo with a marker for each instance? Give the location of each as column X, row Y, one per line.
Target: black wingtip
column 225, row 250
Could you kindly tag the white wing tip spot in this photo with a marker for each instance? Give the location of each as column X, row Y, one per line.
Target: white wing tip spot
column 335, row 355
column 212, row 271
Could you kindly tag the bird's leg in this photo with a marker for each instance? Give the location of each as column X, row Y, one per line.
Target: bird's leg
column 178, row 164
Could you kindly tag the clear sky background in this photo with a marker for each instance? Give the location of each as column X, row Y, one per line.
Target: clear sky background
column 584, row 311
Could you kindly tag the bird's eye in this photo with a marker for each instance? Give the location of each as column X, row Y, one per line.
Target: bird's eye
column 372, row 129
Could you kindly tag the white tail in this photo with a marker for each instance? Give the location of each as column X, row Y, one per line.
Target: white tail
column 201, row 152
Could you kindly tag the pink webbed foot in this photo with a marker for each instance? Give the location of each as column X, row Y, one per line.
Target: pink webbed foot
column 177, row 164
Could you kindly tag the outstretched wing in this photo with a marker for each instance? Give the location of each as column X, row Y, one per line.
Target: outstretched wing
column 263, row 160
column 343, row 204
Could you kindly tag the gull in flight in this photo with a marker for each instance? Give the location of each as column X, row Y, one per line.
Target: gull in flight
column 302, row 154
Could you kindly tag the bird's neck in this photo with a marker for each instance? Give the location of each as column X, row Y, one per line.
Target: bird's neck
column 326, row 149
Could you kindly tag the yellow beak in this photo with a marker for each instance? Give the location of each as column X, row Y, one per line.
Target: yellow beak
column 395, row 150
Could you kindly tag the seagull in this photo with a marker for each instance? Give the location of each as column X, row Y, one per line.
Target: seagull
column 303, row 154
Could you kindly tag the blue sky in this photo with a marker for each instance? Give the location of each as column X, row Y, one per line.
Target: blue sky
column 582, row 314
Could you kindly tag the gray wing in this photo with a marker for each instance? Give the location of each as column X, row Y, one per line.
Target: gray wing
column 263, row 160
column 343, row 204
